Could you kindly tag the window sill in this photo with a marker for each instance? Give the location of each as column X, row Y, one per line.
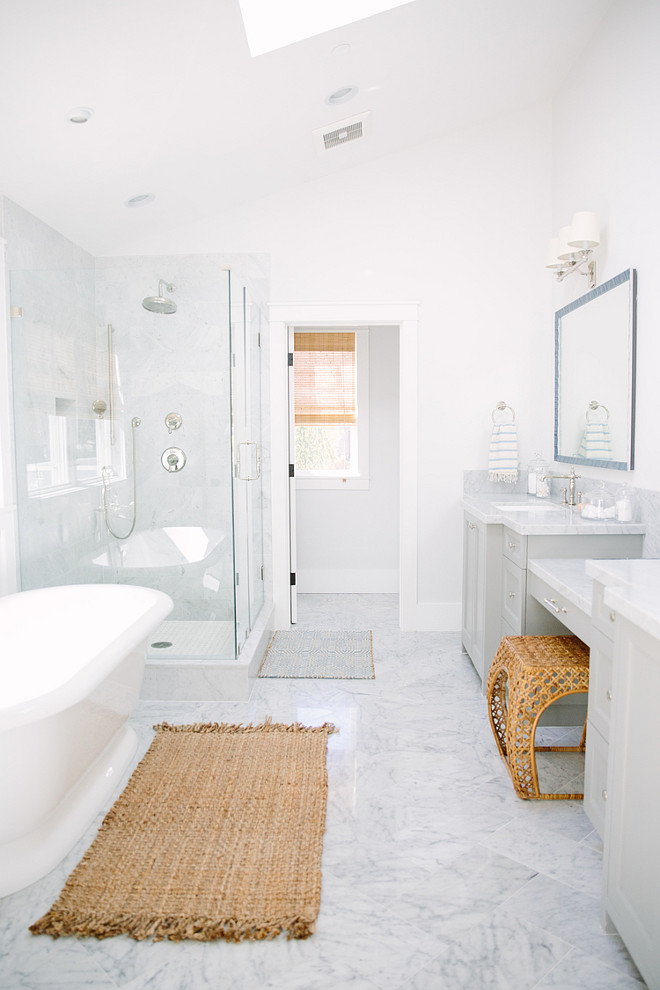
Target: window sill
column 332, row 484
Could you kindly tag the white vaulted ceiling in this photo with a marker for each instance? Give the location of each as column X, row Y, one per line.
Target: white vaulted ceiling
column 182, row 110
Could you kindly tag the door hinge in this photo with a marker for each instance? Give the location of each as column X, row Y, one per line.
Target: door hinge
column 290, row 359
column 233, row 360
column 292, row 470
column 238, row 580
column 261, row 572
column 258, row 340
column 293, row 579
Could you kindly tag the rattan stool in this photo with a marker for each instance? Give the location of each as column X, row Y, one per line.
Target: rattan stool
column 538, row 670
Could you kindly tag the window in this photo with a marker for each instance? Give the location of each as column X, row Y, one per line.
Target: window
column 331, row 386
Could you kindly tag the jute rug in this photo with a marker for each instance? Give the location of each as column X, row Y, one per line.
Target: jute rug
column 304, row 653
column 218, row 835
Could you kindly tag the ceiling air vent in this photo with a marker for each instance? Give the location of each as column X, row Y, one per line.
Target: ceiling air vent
column 341, row 132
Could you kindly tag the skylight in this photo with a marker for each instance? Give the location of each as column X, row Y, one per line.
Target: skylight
column 271, row 24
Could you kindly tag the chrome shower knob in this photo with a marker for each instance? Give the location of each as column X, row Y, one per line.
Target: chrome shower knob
column 173, row 421
column 173, row 459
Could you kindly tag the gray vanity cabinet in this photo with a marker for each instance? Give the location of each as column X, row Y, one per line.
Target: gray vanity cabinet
column 601, row 653
column 496, row 598
column 481, row 587
column 631, row 865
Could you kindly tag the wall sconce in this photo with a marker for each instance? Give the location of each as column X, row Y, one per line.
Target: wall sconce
column 572, row 250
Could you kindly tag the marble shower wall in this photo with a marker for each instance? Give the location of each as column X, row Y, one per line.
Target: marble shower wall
column 162, row 364
column 173, row 363
column 54, row 384
column 178, row 363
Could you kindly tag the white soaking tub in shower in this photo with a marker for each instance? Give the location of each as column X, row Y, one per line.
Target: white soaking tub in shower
column 171, row 546
column 71, row 661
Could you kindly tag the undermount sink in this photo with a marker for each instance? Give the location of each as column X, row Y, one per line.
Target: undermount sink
column 528, row 506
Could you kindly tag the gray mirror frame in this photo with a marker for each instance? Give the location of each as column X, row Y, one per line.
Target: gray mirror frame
column 630, row 275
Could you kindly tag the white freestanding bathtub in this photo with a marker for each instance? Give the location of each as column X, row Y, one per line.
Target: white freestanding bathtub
column 71, row 661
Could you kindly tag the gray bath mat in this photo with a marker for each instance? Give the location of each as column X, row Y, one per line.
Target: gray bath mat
column 306, row 653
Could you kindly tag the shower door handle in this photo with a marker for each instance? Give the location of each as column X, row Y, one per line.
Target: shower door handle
column 245, row 454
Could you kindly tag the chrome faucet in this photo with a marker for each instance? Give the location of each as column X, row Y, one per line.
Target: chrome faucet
column 572, row 478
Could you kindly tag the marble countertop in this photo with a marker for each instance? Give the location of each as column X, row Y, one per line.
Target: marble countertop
column 528, row 515
column 632, row 588
column 568, row 577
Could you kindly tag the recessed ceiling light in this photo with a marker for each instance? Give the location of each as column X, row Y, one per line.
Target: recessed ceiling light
column 343, row 49
column 342, row 95
column 79, row 115
column 140, row 200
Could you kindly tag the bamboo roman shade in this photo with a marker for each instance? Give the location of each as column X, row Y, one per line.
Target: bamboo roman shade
column 325, row 377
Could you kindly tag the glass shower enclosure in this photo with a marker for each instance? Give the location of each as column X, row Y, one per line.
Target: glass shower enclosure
column 138, row 439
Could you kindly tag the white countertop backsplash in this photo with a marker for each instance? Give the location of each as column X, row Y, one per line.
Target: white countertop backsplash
column 476, row 484
column 540, row 516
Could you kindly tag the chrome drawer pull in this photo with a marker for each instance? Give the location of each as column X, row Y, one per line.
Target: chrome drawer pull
column 604, row 794
column 513, row 546
column 512, row 594
column 612, row 616
column 471, row 526
column 551, row 603
column 608, row 694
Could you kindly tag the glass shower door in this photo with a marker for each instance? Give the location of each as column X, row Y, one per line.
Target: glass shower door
column 246, row 448
column 255, row 486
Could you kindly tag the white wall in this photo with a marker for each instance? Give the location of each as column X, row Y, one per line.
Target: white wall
column 460, row 225
column 349, row 540
column 607, row 158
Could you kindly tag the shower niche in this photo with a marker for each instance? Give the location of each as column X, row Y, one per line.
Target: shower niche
column 92, row 354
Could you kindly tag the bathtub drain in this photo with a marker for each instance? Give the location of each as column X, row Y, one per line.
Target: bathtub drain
column 161, row 645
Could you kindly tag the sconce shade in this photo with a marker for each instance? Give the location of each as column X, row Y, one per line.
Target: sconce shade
column 565, row 252
column 552, row 261
column 584, row 232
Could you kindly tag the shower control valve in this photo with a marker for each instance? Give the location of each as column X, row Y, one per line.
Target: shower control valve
column 173, row 459
column 173, row 421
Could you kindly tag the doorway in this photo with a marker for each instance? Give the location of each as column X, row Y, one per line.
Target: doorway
column 344, row 449
column 404, row 316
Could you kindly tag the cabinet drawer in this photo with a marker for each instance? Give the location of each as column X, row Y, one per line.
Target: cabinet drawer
column 595, row 779
column 601, row 670
column 602, row 616
column 514, row 547
column 577, row 621
column 513, row 596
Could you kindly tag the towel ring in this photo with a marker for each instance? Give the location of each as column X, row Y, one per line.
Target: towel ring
column 501, row 406
column 593, row 405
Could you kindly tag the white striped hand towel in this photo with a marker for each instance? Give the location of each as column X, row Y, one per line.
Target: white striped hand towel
column 596, row 442
column 503, row 456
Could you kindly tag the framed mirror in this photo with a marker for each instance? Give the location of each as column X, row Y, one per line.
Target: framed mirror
column 595, row 376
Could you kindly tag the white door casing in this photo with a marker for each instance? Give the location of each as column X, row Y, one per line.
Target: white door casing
column 286, row 315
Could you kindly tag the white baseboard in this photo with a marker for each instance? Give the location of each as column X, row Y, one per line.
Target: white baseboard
column 438, row 616
column 348, row 582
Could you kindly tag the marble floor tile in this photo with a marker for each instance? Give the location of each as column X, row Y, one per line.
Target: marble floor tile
column 497, row 953
column 580, row 971
column 436, row 876
column 572, row 916
column 561, row 858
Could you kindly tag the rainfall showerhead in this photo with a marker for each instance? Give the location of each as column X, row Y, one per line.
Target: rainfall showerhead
column 160, row 303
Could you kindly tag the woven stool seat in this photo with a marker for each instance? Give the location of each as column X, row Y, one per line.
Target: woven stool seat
column 538, row 670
